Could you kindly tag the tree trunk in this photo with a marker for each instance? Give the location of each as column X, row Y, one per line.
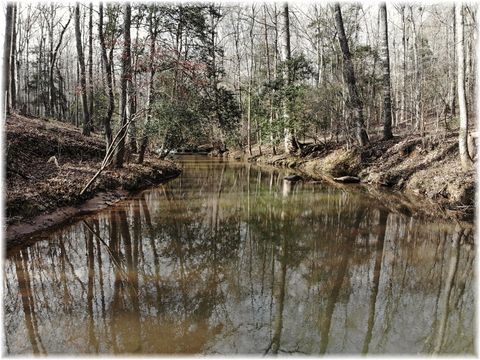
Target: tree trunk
column 275, row 68
column 108, row 70
column 13, row 86
column 50, row 25
column 462, row 101
column 126, row 73
column 453, row 104
column 83, row 83
column 404, row 66
column 355, row 103
column 238, row 67
column 384, row 53
column 418, row 125
column 250, row 83
column 90, row 64
column 27, row 65
column 151, row 92
column 6, row 57
column 133, row 95
column 269, row 74
column 289, row 139
column 53, row 93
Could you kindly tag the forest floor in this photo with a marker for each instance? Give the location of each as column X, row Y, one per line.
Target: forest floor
column 426, row 170
column 42, row 191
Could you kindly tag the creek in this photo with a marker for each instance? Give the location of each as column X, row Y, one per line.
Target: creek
column 231, row 258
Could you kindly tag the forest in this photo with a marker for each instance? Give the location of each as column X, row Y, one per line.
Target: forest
column 239, row 76
column 240, row 178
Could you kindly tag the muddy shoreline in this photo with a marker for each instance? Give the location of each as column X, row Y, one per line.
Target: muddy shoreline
column 49, row 163
column 415, row 176
column 18, row 233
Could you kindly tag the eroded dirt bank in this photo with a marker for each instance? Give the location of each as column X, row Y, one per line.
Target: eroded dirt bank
column 426, row 171
column 42, row 191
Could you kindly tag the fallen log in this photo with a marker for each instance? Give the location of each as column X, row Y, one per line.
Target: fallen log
column 293, row 178
column 347, row 179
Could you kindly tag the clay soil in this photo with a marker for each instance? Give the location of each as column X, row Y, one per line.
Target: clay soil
column 39, row 188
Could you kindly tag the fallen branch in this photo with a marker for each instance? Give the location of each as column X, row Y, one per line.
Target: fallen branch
column 347, row 179
column 111, row 148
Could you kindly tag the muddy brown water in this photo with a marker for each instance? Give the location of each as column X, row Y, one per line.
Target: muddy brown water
column 230, row 258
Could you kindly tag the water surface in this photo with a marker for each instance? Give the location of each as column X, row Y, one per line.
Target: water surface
column 230, row 258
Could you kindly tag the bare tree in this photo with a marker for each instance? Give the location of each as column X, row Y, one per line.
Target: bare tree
column 269, row 78
column 404, row 65
column 153, row 31
column 6, row 57
column 108, row 71
column 250, row 85
column 83, row 82
column 462, row 101
column 289, row 139
column 453, row 103
column 124, row 83
column 13, row 55
column 355, row 102
column 384, row 53
column 90, row 64
column 53, row 62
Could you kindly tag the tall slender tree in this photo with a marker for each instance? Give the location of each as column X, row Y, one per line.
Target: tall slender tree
column 250, row 84
column 124, row 83
column 269, row 78
column 153, row 31
column 289, row 138
column 355, row 103
column 83, row 81
column 384, row 53
column 90, row 63
column 13, row 60
column 108, row 71
column 404, row 65
column 6, row 56
column 53, row 62
column 453, row 83
column 462, row 101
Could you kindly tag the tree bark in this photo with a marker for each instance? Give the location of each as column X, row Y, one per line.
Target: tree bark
column 53, row 93
column 275, row 67
column 453, row 104
column 132, row 135
column 13, row 55
column 125, row 79
column 384, row 53
column 108, row 70
column 418, row 125
column 269, row 75
column 289, row 139
column 355, row 103
column 6, row 57
column 83, row 82
column 462, row 101
column 90, row 64
column 151, row 92
column 250, row 83
column 404, row 65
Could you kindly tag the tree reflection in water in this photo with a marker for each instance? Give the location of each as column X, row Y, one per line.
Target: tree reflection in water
column 230, row 258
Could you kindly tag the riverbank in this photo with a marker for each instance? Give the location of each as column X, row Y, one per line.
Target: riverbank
column 49, row 163
column 425, row 170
